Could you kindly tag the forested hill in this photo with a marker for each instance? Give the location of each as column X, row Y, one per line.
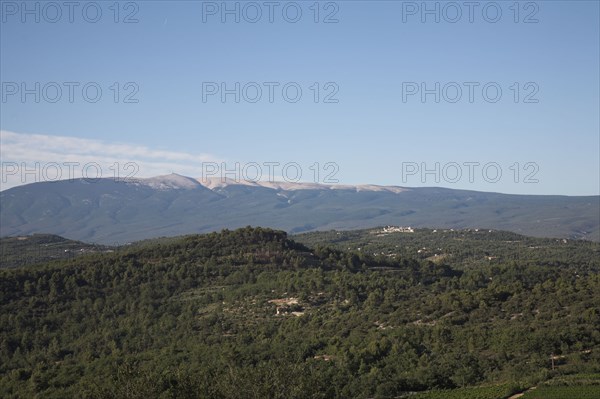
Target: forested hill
column 250, row 313
column 36, row 248
column 463, row 248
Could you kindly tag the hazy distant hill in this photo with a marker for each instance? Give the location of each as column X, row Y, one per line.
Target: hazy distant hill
column 37, row 248
column 109, row 212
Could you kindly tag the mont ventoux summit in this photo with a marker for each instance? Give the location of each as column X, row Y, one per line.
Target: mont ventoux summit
column 108, row 211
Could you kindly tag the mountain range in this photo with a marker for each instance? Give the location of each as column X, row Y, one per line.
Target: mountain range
column 109, row 211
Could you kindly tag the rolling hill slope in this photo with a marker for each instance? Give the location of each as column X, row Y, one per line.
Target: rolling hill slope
column 253, row 314
column 112, row 212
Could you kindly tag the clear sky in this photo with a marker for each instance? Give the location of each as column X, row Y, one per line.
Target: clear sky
column 370, row 62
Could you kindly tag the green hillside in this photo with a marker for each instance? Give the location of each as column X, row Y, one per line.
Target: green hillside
column 37, row 248
column 466, row 248
column 251, row 313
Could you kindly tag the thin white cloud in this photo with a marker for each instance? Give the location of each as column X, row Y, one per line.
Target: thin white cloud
column 28, row 158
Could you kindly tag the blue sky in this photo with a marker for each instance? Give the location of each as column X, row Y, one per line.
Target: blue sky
column 370, row 58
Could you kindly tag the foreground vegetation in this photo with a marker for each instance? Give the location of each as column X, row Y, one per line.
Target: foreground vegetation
column 250, row 313
column 579, row 392
column 580, row 386
column 486, row 392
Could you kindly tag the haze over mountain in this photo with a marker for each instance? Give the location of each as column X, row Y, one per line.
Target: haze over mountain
column 108, row 211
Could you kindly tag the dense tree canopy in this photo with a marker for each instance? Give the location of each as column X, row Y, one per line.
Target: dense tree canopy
column 250, row 313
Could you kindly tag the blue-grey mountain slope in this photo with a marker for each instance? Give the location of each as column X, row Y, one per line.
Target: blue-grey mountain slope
column 110, row 212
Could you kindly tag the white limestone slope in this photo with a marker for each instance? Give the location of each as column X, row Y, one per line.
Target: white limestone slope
column 172, row 181
column 214, row 183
